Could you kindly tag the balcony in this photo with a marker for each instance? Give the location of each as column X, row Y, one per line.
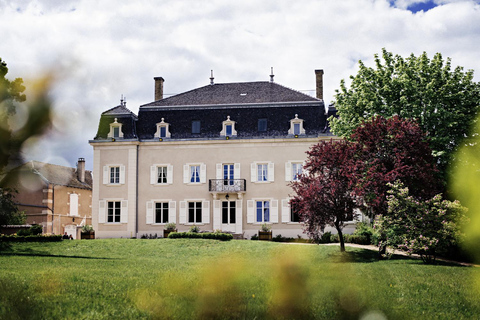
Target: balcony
column 227, row 185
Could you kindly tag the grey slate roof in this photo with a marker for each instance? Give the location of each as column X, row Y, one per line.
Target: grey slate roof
column 235, row 93
column 119, row 110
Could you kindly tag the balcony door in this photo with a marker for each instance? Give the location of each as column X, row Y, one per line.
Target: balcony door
column 228, row 174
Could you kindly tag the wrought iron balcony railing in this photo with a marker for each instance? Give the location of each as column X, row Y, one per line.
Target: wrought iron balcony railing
column 227, row 185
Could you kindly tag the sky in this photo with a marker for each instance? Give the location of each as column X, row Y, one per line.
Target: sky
column 101, row 50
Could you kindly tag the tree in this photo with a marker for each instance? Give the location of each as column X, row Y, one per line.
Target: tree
column 444, row 102
column 324, row 193
column 392, row 149
column 426, row 227
column 9, row 213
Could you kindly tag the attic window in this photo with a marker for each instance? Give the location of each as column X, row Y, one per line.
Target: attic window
column 115, row 130
column 163, row 129
column 196, row 126
column 262, row 125
column 296, row 126
column 228, row 128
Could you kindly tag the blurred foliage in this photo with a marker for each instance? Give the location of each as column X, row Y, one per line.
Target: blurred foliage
column 9, row 214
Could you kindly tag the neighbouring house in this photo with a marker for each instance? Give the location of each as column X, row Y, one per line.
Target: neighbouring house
column 58, row 198
column 220, row 157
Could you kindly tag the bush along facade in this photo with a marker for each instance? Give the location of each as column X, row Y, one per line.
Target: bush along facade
column 428, row 228
column 206, row 235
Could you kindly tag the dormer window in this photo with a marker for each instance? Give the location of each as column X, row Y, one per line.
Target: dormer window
column 262, row 125
column 115, row 130
column 228, row 128
column 163, row 130
column 296, row 126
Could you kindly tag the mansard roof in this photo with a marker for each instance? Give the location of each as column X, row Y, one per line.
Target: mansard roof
column 235, row 93
column 119, row 110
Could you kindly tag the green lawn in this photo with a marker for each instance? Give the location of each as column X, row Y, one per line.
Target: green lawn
column 208, row 279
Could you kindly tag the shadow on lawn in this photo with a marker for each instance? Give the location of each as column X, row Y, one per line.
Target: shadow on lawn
column 32, row 253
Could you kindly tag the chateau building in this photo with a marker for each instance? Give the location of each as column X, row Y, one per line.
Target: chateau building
column 220, row 157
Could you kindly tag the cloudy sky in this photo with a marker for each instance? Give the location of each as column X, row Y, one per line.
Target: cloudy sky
column 101, row 50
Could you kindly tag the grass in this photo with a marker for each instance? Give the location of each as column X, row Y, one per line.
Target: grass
column 208, row 279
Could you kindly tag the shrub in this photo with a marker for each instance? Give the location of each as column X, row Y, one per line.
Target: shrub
column 365, row 230
column 265, row 228
column 205, row 235
column 87, row 228
column 194, row 229
column 254, row 237
column 36, row 229
column 326, row 237
column 171, row 226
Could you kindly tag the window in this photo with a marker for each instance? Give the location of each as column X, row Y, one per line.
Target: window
column 195, row 212
column 228, row 174
column 114, row 175
column 262, row 125
column 228, row 128
column 161, row 174
column 228, row 212
column 113, row 211
column 293, row 170
column 296, row 126
column 161, row 212
column 194, row 174
column 294, row 216
column 262, row 172
column 196, row 126
column 296, row 171
column 162, row 130
column 115, row 130
column 263, row 211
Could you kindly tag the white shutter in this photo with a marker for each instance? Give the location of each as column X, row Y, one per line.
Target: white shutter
column 102, row 211
column 170, row 174
column 250, row 211
column 183, row 212
column 149, row 212
column 253, row 172
column 122, row 174
column 271, row 171
column 153, row 175
column 217, row 214
column 288, row 171
column 206, row 212
column 186, row 173
column 285, row 210
column 106, row 175
column 124, row 212
column 274, row 211
column 74, row 204
column 203, row 173
column 218, row 170
column 236, row 171
column 172, row 212
column 238, row 217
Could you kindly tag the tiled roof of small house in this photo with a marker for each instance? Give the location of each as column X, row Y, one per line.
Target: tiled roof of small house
column 235, row 93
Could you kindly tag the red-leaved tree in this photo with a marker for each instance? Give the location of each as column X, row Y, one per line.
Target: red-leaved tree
column 323, row 194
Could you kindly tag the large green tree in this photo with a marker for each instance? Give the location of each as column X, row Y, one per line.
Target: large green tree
column 442, row 100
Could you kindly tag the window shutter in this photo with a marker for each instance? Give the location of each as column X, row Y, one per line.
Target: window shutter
column 183, row 212
column 74, row 204
column 124, row 212
column 285, row 210
column 153, row 175
column 218, row 170
column 238, row 217
column 206, row 212
column 274, row 211
column 106, row 175
column 149, row 212
column 271, row 172
column 186, row 173
column 253, row 172
column 217, row 213
column 170, row 174
column 288, row 171
column 172, row 211
column 203, row 173
column 250, row 211
column 102, row 208
column 122, row 174
column 236, row 171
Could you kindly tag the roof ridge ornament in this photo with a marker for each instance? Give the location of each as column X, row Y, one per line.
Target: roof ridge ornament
column 211, row 77
column 271, row 74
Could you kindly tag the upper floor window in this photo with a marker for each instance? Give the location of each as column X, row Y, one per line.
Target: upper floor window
column 296, row 126
column 293, row 170
column 228, row 128
column 163, row 130
column 161, row 174
column 114, row 174
column 262, row 172
column 196, row 126
column 115, row 130
column 195, row 173
column 262, row 125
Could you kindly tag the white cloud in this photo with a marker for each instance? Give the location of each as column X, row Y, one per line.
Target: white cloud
column 103, row 49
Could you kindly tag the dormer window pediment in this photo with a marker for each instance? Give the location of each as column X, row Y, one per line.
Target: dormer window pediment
column 115, row 130
column 296, row 126
column 163, row 129
column 228, row 128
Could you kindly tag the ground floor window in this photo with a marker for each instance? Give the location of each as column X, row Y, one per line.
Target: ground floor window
column 263, row 211
column 113, row 213
column 161, row 212
column 228, row 212
column 294, row 216
column 195, row 212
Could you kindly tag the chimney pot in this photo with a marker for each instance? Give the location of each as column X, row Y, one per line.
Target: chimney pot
column 319, row 83
column 81, row 169
column 158, row 88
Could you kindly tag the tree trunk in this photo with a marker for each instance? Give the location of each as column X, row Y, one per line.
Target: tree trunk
column 340, row 238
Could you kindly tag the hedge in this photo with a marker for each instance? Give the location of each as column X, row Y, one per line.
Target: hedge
column 205, row 235
column 31, row 238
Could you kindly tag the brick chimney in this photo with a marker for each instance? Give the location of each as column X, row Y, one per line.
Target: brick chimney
column 319, row 82
column 81, row 169
column 158, row 88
